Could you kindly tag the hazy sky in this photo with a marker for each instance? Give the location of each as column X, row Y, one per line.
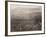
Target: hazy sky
column 24, row 10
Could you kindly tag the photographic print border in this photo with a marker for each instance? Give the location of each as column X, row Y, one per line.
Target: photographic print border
column 6, row 18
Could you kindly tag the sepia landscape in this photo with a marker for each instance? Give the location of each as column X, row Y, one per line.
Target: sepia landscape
column 25, row 17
